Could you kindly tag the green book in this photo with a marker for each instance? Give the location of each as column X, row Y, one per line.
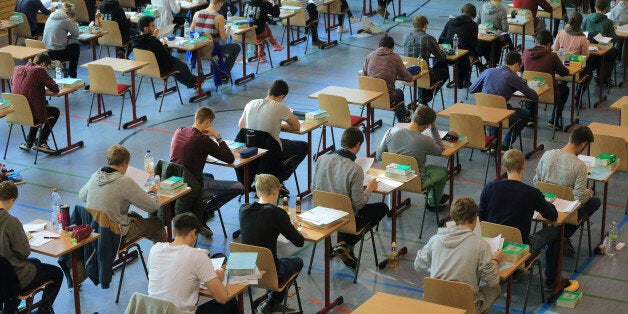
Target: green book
column 569, row 299
column 514, row 251
column 171, row 183
column 241, row 263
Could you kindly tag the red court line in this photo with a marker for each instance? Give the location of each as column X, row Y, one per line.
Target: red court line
column 469, row 181
column 317, row 302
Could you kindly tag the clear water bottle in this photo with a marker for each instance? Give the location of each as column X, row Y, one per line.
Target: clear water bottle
column 393, row 256
column 455, row 42
column 229, row 15
column 561, row 55
column 55, row 205
column 186, row 29
column 149, row 163
column 613, row 234
column 58, row 71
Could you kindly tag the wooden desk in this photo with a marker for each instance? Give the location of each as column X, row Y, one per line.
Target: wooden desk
column 233, row 290
column 329, row 43
column 286, row 15
column 574, row 72
column 382, row 302
column 200, row 94
column 92, row 38
column 624, row 37
column 555, row 13
column 517, row 28
column 62, row 246
column 415, row 87
column 237, row 163
column 600, row 53
column 243, row 33
column 64, row 92
column 122, row 66
column 490, row 116
column 489, row 39
column 535, row 148
column 453, row 59
column 21, row 52
column 506, row 274
column 356, row 97
column 307, row 128
column 8, row 26
column 619, row 103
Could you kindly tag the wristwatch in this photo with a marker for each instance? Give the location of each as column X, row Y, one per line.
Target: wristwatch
column 218, row 138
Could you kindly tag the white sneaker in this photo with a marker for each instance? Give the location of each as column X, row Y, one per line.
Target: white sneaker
column 354, row 20
column 342, row 29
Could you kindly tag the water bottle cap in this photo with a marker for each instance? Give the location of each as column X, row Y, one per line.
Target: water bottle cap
column 148, row 151
column 54, row 189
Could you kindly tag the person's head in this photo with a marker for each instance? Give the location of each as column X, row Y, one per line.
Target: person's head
column 387, row 42
column 8, row 194
column 420, row 22
column 68, row 9
column 513, row 161
column 216, row 2
column 498, row 2
column 186, row 226
column 204, row 117
column 118, row 156
column 543, row 38
column 464, row 211
column 601, row 6
column 513, row 61
column 42, row 59
column 469, row 10
column 580, row 138
column 352, row 139
column 267, row 186
column 423, row 116
column 279, row 89
column 146, row 24
column 575, row 20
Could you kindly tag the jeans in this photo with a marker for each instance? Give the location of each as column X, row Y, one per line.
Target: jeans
column 45, row 272
column 286, row 268
column 557, row 113
column 438, row 73
column 213, row 307
column 369, row 214
column 595, row 62
column 313, row 13
column 587, row 209
column 547, row 239
column 297, row 150
column 70, row 53
column 223, row 191
column 230, row 52
column 517, row 122
column 401, row 112
column 436, row 177
column 53, row 115
column 184, row 76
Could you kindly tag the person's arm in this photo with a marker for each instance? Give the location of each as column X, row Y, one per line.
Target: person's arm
column 545, row 208
column 18, row 240
column 273, row 9
column 519, row 85
column 483, row 205
column 435, row 49
column 219, row 150
column 489, row 265
column 423, row 258
column 242, row 122
column 359, row 197
column 545, row 5
column 175, row 6
column 559, row 67
column 83, row 193
column 504, row 18
column 478, row 19
column 217, row 290
column 443, row 39
column 48, row 81
column 435, row 145
column 42, row 8
column 293, row 122
column 287, row 229
column 581, row 191
column 383, row 146
column 584, row 47
column 219, row 20
column 610, row 30
column 558, row 41
column 72, row 27
column 148, row 202
column 477, row 86
column 212, row 278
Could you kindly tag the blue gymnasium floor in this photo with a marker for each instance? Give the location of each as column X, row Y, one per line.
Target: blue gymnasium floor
column 602, row 280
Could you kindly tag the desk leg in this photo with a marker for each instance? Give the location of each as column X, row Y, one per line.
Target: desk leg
column 415, row 95
column 241, row 303
column 136, row 119
column 93, row 43
column 523, row 38
column 75, row 283
column 601, row 96
column 329, row 42
column 498, row 163
column 557, row 291
column 367, row 131
column 339, row 300
column 455, row 81
column 289, row 59
column 244, row 77
column 452, row 170
column 492, row 62
column 572, row 122
column 399, row 14
column 200, row 94
column 168, row 209
column 508, row 294
column 535, row 148
column 68, row 131
column 247, row 184
column 308, row 191
column 624, row 61
column 9, row 31
column 101, row 114
column 364, row 11
column 603, row 231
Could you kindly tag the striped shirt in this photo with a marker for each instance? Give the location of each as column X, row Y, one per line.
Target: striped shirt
column 206, row 23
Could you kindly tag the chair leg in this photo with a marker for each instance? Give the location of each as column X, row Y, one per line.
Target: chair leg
column 251, row 294
column 296, row 288
column 121, row 276
column 41, row 127
column 488, row 161
column 541, row 281
column 525, row 299
column 589, row 235
column 579, row 243
column 357, row 266
column 374, row 248
column 224, row 231
column 294, row 173
column 141, row 254
column 309, row 269
column 163, row 94
column 423, row 219
column 90, row 110
column 270, row 57
column 176, row 84
column 6, row 147
column 121, row 111
column 470, row 157
column 152, row 84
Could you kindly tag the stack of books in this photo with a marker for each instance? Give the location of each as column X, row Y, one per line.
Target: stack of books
column 172, row 186
column 398, row 172
column 514, row 251
column 536, row 83
column 236, row 147
column 605, row 161
column 485, row 27
column 569, row 299
column 242, row 268
column 316, row 116
column 5, row 104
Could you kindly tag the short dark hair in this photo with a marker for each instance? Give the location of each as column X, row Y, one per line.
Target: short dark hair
column 602, row 5
column 424, row 115
column 464, row 210
column 144, row 21
column 581, row 134
column 387, row 42
column 279, row 88
column 575, row 20
column 184, row 223
column 8, row 191
column 512, row 58
column 351, row 137
column 469, row 9
column 544, row 37
column 419, row 21
column 42, row 58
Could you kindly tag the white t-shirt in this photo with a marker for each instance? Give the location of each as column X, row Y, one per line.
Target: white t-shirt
column 176, row 272
column 266, row 115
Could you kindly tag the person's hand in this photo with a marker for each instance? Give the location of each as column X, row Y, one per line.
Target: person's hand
column 210, row 132
column 372, row 186
column 590, row 192
column 498, row 255
column 154, row 188
column 433, row 125
column 156, row 32
column 220, row 273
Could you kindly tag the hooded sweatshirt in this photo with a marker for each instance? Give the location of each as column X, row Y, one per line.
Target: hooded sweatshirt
column 151, row 43
column 467, row 31
column 15, row 248
column 385, row 64
column 261, row 11
column 113, row 8
column 112, row 192
column 458, row 254
column 597, row 23
column 620, row 13
column 572, row 40
column 56, row 30
column 493, row 13
column 541, row 59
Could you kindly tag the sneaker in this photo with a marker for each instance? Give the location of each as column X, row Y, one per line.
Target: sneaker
column 44, row 148
column 551, row 285
column 568, row 249
column 444, row 199
column 354, row 20
column 278, row 47
column 342, row 29
column 450, row 84
column 530, row 123
column 553, row 126
column 206, row 232
column 263, row 308
column 282, row 308
column 505, row 147
column 262, row 59
column 345, row 253
column 26, row 146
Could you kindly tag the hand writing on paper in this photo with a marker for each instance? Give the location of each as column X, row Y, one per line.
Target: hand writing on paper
column 372, row 186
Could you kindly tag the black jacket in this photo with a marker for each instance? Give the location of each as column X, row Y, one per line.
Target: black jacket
column 113, row 8
column 150, row 42
column 260, row 10
column 466, row 29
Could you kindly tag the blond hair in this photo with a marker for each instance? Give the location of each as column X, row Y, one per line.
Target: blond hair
column 68, row 9
column 513, row 160
column 265, row 183
column 117, row 155
column 464, row 210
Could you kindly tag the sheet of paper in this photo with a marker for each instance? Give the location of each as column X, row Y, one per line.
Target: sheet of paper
column 505, row 265
column 282, row 239
column 138, row 175
column 217, row 262
column 622, row 29
column 586, row 34
column 601, row 39
column 536, row 215
column 598, row 174
column 565, row 206
column 365, row 163
column 34, row 227
column 45, row 233
column 37, row 242
column 496, row 243
column 589, row 161
column 477, row 230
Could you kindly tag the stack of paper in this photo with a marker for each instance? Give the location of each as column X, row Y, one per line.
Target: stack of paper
column 42, row 237
column 602, row 39
column 32, row 227
column 564, row 206
column 322, row 217
column 496, row 243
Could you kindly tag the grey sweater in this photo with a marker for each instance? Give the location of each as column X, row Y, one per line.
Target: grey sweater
column 458, row 254
column 411, row 143
column 113, row 193
column 560, row 167
column 337, row 174
column 493, row 13
column 15, row 248
column 56, row 30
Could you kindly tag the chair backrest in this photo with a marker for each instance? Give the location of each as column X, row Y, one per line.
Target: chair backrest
column 548, row 96
column 103, row 220
column 413, row 185
column 127, row 4
column 7, row 64
column 510, row 234
column 339, row 202
column 23, row 29
column 561, row 191
column 451, row 293
column 152, row 68
column 141, row 303
column 470, row 126
column 102, row 80
column 299, row 18
column 493, row 101
column 334, row 8
column 249, row 38
column 338, row 110
column 377, row 85
column 265, row 262
column 22, row 113
column 113, row 37
column 624, row 115
column 34, row 43
column 80, row 9
column 423, row 81
column 612, row 145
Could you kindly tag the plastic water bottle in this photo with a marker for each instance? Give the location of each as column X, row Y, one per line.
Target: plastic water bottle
column 393, row 256
column 149, row 163
column 186, row 29
column 229, row 15
column 561, row 55
column 613, row 234
column 55, row 205
column 455, row 42
column 58, row 71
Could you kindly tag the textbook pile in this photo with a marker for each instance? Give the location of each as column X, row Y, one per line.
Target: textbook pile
column 398, row 172
column 514, row 251
column 172, row 186
column 316, row 116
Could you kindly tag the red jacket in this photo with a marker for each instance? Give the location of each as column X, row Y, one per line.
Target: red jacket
column 31, row 81
column 533, row 5
column 541, row 59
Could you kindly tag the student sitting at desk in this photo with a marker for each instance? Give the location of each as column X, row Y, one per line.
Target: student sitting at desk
column 412, row 142
column 418, row 43
column 176, row 270
column 619, row 14
column 532, row 6
column 111, row 10
column 511, row 202
column 58, row 26
column 109, row 190
column 503, row 81
column 261, row 223
column 166, row 62
column 573, row 41
column 598, row 23
column 14, row 247
column 493, row 12
column 338, row 173
column 562, row 166
column 261, row 12
column 30, row 8
column 467, row 30
column 458, row 254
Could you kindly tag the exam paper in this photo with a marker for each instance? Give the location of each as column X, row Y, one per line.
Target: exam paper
column 365, row 163
column 34, row 227
column 564, row 206
column 602, row 39
column 496, row 243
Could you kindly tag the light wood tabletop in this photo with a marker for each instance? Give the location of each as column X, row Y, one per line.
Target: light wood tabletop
column 180, row 43
column 90, row 36
column 486, row 37
column 619, row 103
column 599, row 51
column 461, row 53
column 610, row 130
column 6, row 25
column 61, row 246
column 382, row 302
column 313, row 234
column 490, row 116
column 573, row 70
column 507, row 272
column 305, row 127
column 238, row 162
column 140, row 177
column 354, row 96
column 563, row 218
column 21, row 52
column 65, row 90
column 118, row 65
